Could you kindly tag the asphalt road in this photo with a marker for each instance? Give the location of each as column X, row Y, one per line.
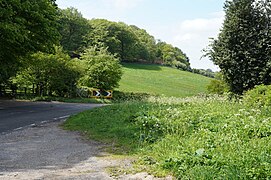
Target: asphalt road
column 18, row 114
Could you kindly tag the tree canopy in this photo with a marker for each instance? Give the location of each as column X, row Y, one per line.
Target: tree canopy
column 49, row 74
column 25, row 27
column 102, row 69
column 243, row 48
column 73, row 28
column 132, row 44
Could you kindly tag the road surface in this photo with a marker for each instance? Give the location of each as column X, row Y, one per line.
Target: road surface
column 48, row 152
column 15, row 115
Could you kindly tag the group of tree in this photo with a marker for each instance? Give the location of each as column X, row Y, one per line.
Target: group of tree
column 128, row 42
column 36, row 37
column 38, row 43
column 54, row 50
column 243, row 47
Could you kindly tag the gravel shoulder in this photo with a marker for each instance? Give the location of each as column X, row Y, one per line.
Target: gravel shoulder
column 49, row 152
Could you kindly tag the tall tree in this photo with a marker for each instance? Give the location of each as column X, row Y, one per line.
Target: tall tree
column 115, row 36
column 243, row 48
column 25, row 27
column 73, row 29
column 146, row 45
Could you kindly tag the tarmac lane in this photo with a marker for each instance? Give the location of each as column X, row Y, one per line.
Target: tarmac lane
column 15, row 115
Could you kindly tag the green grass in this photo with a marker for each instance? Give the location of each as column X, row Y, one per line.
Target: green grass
column 161, row 80
column 192, row 138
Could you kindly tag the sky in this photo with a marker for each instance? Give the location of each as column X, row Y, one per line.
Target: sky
column 186, row 24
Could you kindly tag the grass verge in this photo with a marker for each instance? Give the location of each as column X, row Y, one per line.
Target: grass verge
column 192, row 138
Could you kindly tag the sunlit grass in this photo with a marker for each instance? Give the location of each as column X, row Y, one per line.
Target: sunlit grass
column 161, row 80
column 193, row 138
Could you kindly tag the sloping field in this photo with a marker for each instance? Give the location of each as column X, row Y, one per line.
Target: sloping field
column 160, row 80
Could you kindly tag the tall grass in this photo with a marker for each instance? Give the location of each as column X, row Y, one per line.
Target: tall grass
column 192, row 138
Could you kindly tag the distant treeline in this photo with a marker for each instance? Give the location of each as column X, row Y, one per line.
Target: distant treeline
column 128, row 42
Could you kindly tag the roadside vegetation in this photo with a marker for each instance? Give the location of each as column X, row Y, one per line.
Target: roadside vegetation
column 201, row 137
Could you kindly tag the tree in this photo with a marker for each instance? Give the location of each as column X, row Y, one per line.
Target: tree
column 172, row 56
column 73, row 29
column 49, row 74
column 103, row 70
column 243, row 48
column 116, row 37
column 145, row 46
column 25, row 27
column 133, row 44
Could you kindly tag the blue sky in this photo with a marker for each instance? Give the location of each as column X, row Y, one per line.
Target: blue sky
column 187, row 24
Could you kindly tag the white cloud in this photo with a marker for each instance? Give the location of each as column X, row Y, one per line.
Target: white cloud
column 192, row 36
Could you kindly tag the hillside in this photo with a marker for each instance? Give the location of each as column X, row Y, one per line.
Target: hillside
column 160, row 80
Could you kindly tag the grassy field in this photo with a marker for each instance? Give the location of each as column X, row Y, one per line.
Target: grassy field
column 160, row 80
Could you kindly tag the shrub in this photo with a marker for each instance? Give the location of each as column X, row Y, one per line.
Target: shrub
column 49, row 74
column 120, row 97
column 260, row 96
column 103, row 70
column 179, row 65
column 218, row 85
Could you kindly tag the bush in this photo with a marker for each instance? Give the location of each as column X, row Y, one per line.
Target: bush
column 217, row 87
column 120, row 97
column 49, row 74
column 103, row 70
column 260, row 96
column 179, row 65
column 204, row 72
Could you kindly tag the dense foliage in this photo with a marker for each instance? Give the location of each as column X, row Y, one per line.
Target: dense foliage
column 132, row 44
column 115, row 36
column 204, row 72
column 25, row 27
column 172, row 56
column 218, row 85
column 194, row 138
column 73, row 29
column 49, row 74
column 102, row 69
column 243, row 48
column 259, row 97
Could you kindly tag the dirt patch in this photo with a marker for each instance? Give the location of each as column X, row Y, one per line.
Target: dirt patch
column 48, row 152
